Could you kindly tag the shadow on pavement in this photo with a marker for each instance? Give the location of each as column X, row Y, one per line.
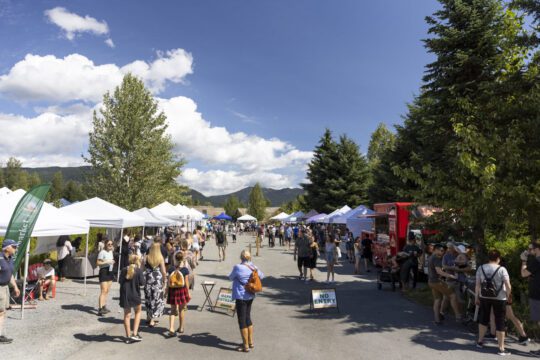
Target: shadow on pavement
column 78, row 307
column 206, row 339
column 98, row 338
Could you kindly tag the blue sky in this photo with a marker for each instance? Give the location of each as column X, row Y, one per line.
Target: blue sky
column 261, row 75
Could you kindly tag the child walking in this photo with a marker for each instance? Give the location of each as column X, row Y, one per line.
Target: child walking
column 178, row 294
column 131, row 280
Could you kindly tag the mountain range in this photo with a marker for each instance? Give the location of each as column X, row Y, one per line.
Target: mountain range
column 276, row 197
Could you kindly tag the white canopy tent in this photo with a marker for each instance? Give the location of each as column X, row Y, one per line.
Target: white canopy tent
column 338, row 212
column 342, row 219
column 101, row 213
column 247, row 217
column 168, row 210
column 195, row 215
column 280, row 216
column 4, row 191
column 293, row 217
column 184, row 211
column 151, row 219
column 50, row 222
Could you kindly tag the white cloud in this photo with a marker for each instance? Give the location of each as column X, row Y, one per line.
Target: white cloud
column 198, row 140
column 47, row 139
column 217, row 182
column 75, row 77
column 72, row 24
column 109, row 43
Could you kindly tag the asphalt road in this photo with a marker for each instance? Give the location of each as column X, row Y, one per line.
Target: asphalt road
column 370, row 323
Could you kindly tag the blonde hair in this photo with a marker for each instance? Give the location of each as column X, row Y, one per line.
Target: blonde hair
column 155, row 258
column 133, row 264
column 245, row 255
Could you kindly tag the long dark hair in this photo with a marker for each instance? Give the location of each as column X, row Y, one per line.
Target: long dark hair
column 62, row 240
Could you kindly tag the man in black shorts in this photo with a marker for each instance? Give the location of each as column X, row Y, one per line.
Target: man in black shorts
column 302, row 247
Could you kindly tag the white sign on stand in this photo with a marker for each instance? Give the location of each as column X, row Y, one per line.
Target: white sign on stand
column 324, row 299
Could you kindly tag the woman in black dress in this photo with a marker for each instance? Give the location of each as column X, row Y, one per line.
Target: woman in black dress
column 314, row 256
column 131, row 280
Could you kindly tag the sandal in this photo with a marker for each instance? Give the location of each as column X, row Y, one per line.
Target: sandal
column 180, row 331
column 251, row 346
column 170, row 334
column 241, row 348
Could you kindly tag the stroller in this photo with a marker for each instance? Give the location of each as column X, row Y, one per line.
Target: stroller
column 390, row 272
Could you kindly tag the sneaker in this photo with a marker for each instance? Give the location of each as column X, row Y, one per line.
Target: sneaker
column 169, row 334
column 503, row 353
column 100, row 312
column 104, row 310
column 136, row 338
column 480, row 344
column 523, row 340
column 5, row 340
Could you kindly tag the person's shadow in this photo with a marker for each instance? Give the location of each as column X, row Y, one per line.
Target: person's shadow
column 78, row 307
column 98, row 338
column 205, row 339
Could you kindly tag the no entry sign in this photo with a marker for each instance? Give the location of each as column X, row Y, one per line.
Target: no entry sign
column 324, row 299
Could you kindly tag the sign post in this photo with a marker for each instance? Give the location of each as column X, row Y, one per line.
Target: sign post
column 324, row 299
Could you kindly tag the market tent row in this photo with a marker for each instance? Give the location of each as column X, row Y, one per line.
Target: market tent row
column 151, row 219
column 168, row 210
column 293, row 218
column 101, row 213
column 356, row 220
column 308, row 215
column 247, row 217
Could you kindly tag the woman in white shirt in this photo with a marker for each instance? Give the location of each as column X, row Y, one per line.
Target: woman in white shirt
column 105, row 261
column 63, row 249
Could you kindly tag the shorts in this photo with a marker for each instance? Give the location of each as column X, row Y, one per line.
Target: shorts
column 367, row 255
column 534, row 306
column 330, row 257
column 499, row 311
column 440, row 289
column 105, row 275
column 195, row 247
column 4, row 298
column 221, row 245
column 304, row 261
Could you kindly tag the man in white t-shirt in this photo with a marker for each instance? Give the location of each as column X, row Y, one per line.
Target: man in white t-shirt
column 46, row 279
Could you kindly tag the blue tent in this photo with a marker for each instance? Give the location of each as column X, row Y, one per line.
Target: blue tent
column 222, row 216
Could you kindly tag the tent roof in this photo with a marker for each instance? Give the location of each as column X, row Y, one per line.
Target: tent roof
column 196, row 215
column 338, row 212
column 247, row 217
column 101, row 213
column 51, row 221
column 280, row 216
column 184, row 211
column 152, row 220
column 293, row 217
column 223, row 216
column 166, row 209
column 315, row 218
column 309, row 214
column 5, row 191
column 360, row 210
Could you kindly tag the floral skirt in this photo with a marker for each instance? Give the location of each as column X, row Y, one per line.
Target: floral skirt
column 153, row 293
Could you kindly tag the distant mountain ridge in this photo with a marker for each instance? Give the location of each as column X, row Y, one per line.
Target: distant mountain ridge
column 276, row 197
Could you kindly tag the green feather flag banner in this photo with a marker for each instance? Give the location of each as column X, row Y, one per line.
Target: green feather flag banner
column 24, row 218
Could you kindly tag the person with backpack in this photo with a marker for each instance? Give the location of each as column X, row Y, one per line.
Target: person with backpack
column 178, row 294
column 493, row 289
column 246, row 279
column 131, row 280
column 221, row 242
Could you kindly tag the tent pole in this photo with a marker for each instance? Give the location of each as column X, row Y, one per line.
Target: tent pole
column 26, row 260
column 142, row 236
column 120, row 255
column 86, row 264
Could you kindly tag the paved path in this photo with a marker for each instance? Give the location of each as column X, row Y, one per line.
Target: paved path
column 371, row 323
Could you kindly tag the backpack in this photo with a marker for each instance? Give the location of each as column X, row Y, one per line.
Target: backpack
column 220, row 237
column 254, row 284
column 176, row 280
column 487, row 288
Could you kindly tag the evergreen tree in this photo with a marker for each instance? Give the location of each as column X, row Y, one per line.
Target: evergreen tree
column 257, row 203
column 320, row 170
column 34, row 180
column 73, row 191
column 2, row 179
column 449, row 126
column 14, row 178
column 133, row 164
column 232, row 205
column 57, row 187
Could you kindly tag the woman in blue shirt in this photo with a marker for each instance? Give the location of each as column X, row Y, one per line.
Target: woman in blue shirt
column 240, row 276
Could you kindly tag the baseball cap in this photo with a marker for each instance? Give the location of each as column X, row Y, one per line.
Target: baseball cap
column 462, row 249
column 9, row 242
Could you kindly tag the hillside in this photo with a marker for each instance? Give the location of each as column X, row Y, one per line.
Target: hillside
column 276, row 197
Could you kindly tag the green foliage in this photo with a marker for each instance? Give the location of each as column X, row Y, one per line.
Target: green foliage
column 298, row 204
column 57, row 187
column 14, row 177
column 257, row 203
column 338, row 175
column 133, row 164
column 232, row 205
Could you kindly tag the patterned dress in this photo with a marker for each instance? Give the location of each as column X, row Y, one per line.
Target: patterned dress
column 153, row 292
